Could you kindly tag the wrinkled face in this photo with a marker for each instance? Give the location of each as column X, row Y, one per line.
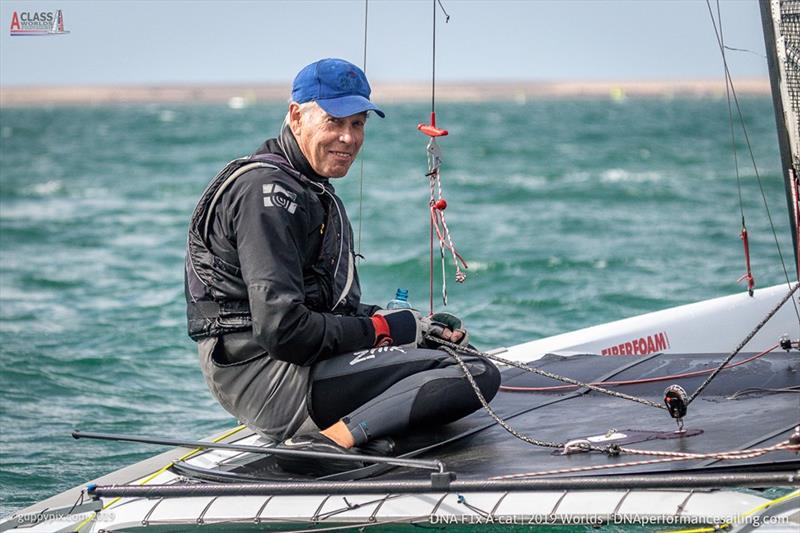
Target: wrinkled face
column 330, row 144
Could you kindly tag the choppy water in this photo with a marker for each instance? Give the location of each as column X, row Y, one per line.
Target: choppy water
column 570, row 213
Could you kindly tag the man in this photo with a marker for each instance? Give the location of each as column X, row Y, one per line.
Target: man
column 273, row 297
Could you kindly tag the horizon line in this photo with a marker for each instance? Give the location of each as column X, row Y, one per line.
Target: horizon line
column 243, row 93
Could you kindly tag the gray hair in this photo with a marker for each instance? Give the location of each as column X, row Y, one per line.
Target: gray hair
column 305, row 107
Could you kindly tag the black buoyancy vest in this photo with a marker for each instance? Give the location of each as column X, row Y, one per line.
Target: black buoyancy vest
column 214, row 308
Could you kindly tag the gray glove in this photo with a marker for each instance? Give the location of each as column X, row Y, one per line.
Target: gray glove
column 436, row 324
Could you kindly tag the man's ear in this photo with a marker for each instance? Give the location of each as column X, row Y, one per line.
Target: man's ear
column 295, row 116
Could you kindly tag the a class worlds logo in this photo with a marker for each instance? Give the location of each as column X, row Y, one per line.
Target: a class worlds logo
column 37, row 23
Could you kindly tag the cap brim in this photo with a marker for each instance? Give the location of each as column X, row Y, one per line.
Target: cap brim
column 344, row 106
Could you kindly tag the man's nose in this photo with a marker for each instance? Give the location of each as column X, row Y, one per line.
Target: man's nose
column 346, row 136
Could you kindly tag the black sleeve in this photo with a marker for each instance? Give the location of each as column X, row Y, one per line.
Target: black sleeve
column 270, row 241
column 367, row 310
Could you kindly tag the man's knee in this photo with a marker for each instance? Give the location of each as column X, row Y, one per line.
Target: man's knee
column 487, row 376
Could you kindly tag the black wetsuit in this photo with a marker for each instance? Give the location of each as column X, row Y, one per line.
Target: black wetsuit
column 293, row 339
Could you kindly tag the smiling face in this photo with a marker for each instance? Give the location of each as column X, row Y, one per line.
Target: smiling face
column 330, row 144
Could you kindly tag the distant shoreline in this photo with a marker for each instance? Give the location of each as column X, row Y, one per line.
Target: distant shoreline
column 241, row 95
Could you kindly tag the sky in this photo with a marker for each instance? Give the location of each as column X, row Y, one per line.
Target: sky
column 268, row 41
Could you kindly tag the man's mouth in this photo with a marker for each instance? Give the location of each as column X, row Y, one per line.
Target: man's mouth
column 341, row 155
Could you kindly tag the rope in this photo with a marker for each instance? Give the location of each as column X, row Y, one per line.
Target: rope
column 485, row 404
column 670, row 457
column 611, row 450
column 437, row 204
column 453, row 347
column 742, row 344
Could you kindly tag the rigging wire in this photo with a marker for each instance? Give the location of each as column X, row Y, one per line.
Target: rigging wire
column 361, row 174
column 748, row 275
column 433, row 74
column 742, row 344
column 729, row 79
column 730, row 119
column 732, row 49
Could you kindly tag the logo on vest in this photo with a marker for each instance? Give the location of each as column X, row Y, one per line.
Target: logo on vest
column 277, row 196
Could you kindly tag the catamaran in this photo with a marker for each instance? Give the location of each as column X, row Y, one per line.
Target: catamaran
column 659, row 419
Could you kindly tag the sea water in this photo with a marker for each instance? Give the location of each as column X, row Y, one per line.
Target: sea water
column 569, row 213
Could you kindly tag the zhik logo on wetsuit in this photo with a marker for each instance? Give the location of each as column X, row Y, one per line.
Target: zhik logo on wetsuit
column 365, row 355
column 277, row 196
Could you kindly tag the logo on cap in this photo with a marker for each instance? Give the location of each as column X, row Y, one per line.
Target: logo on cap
column 348, row 81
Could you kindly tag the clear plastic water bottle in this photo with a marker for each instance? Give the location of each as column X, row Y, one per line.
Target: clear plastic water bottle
column 400, row 300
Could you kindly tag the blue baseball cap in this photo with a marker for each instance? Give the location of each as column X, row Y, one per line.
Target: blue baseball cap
column 338, row 86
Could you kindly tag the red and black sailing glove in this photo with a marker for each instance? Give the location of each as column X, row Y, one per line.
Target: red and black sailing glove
column 398, row 327
column 408, row 329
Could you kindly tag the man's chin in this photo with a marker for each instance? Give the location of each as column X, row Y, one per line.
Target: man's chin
column 338, row 172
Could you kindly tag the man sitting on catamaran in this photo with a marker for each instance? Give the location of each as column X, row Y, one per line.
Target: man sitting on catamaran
column 273, row 297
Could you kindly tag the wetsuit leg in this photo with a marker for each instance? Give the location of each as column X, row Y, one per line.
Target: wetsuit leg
column 384, row 391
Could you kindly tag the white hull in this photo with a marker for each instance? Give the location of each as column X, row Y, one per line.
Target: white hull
column 675, row 509
column 713, row 326
column 710, row 326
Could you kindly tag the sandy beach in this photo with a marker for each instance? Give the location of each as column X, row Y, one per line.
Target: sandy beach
column 239, row 95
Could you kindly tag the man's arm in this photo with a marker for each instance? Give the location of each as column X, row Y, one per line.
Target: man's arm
column 367, row 310
column 270, row 238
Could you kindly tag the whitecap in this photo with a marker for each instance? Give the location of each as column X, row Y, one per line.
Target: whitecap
column 616, row 175
column 48, row 187
column 477, row 266
column 527, row 181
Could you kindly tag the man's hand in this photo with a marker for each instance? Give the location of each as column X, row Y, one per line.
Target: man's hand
column 406, row 327
column 446, row 327
column 398, row 327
